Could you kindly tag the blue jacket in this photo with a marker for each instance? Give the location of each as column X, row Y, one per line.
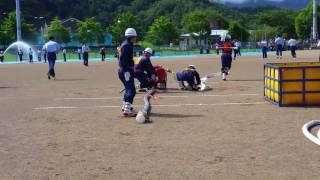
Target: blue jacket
column 189, row 75
column 143, row 64
column 125, row 53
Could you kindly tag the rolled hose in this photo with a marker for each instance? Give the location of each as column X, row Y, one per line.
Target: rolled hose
column 306, row 131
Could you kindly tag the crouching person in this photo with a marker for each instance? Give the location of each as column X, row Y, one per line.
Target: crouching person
column 191, row 76
column 144, row 71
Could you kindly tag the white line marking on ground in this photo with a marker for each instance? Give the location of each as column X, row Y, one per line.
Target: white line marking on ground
column 156, row 105
column 184, row 96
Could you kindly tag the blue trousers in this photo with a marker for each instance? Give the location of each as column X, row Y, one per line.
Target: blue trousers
column 127, row 78
column 182, row 77
column 293, row 51
column 226, row 60
column 279, row 50
column 52, row 61
column 143, row 79
column 264, row 52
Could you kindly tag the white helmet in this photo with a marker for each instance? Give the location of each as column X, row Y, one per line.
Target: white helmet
column 148, row 50
column 130, row 32
column 191, row 66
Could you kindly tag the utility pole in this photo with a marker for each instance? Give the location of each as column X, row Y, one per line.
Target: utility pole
column 18, row 19
column 315, row 21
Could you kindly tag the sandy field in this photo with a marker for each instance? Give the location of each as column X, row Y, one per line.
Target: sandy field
column 72, row 128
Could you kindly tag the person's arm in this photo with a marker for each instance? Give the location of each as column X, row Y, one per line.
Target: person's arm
column 150, row 69
column 197, row 76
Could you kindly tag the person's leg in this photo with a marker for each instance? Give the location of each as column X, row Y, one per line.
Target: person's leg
column 239, row 51
column 142, row 78
column 127, row 78
column 64, row 58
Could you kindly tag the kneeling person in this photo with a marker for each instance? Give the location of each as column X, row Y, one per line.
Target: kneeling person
column 143, row 69
column 191, row 76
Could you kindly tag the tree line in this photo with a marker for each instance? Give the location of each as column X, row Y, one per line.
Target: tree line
column 157, row 21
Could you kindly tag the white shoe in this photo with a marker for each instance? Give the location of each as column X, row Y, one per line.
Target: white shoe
column 224, row 76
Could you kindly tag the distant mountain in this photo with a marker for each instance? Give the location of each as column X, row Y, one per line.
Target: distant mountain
column 292, row 4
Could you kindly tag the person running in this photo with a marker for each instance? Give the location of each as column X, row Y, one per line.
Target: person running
column 126, row 71
column 103, row 53
column 279, row 46
column 1, row 56
column 144, row 70
column 39, row 55
column 52, row 48
column 264, row 45
column 293, row 47
column 191, row 76
column 226, row 57
column 30, row 55
column 64, row 52
column 85, row 56
column 79, row 53
column 20, row 54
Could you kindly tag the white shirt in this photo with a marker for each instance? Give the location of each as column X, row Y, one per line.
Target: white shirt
column 30, row 52
column 64, row 51
column 85, row 48
column 79, row 51
column 292, row 42
column 279, row 41
column 51, row 46
column 264, row 43
column 238, row 44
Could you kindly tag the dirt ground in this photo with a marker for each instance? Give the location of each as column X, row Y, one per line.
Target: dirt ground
column 71, row 128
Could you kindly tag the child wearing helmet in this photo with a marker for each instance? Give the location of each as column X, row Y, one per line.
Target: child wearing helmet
column 144, row 70
column 191, row 76
column 126, row 71
column 226, row 57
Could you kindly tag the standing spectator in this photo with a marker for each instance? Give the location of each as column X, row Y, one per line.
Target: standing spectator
column 52, row 48
column 273, row 44
column 293, row 47
column 39, row 54
column 64, row 51
column 85, row 51
column 217, row 48
column 279, row 46
column 238, row 45
column 1, row 56
column 30, row 55
column 103, row 53
column 20, row 54
column 79, row 54
column 264, row 45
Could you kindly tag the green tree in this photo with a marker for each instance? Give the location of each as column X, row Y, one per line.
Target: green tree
column 197, row 22
column 60, row 33
column 303, row 22
column 237, row 31
column 282, row 20
column 90, row 30
column 216, row 20
column 162, row 31
column 8, row 29
column 120, row 24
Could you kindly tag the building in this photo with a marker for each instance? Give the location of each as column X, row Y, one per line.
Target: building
column 191, row 40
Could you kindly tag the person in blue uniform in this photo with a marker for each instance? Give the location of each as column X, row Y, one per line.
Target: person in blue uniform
column 52, row 48
column 189, row 75
column 143, row 69
column 226, row 57
column 126, row 71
